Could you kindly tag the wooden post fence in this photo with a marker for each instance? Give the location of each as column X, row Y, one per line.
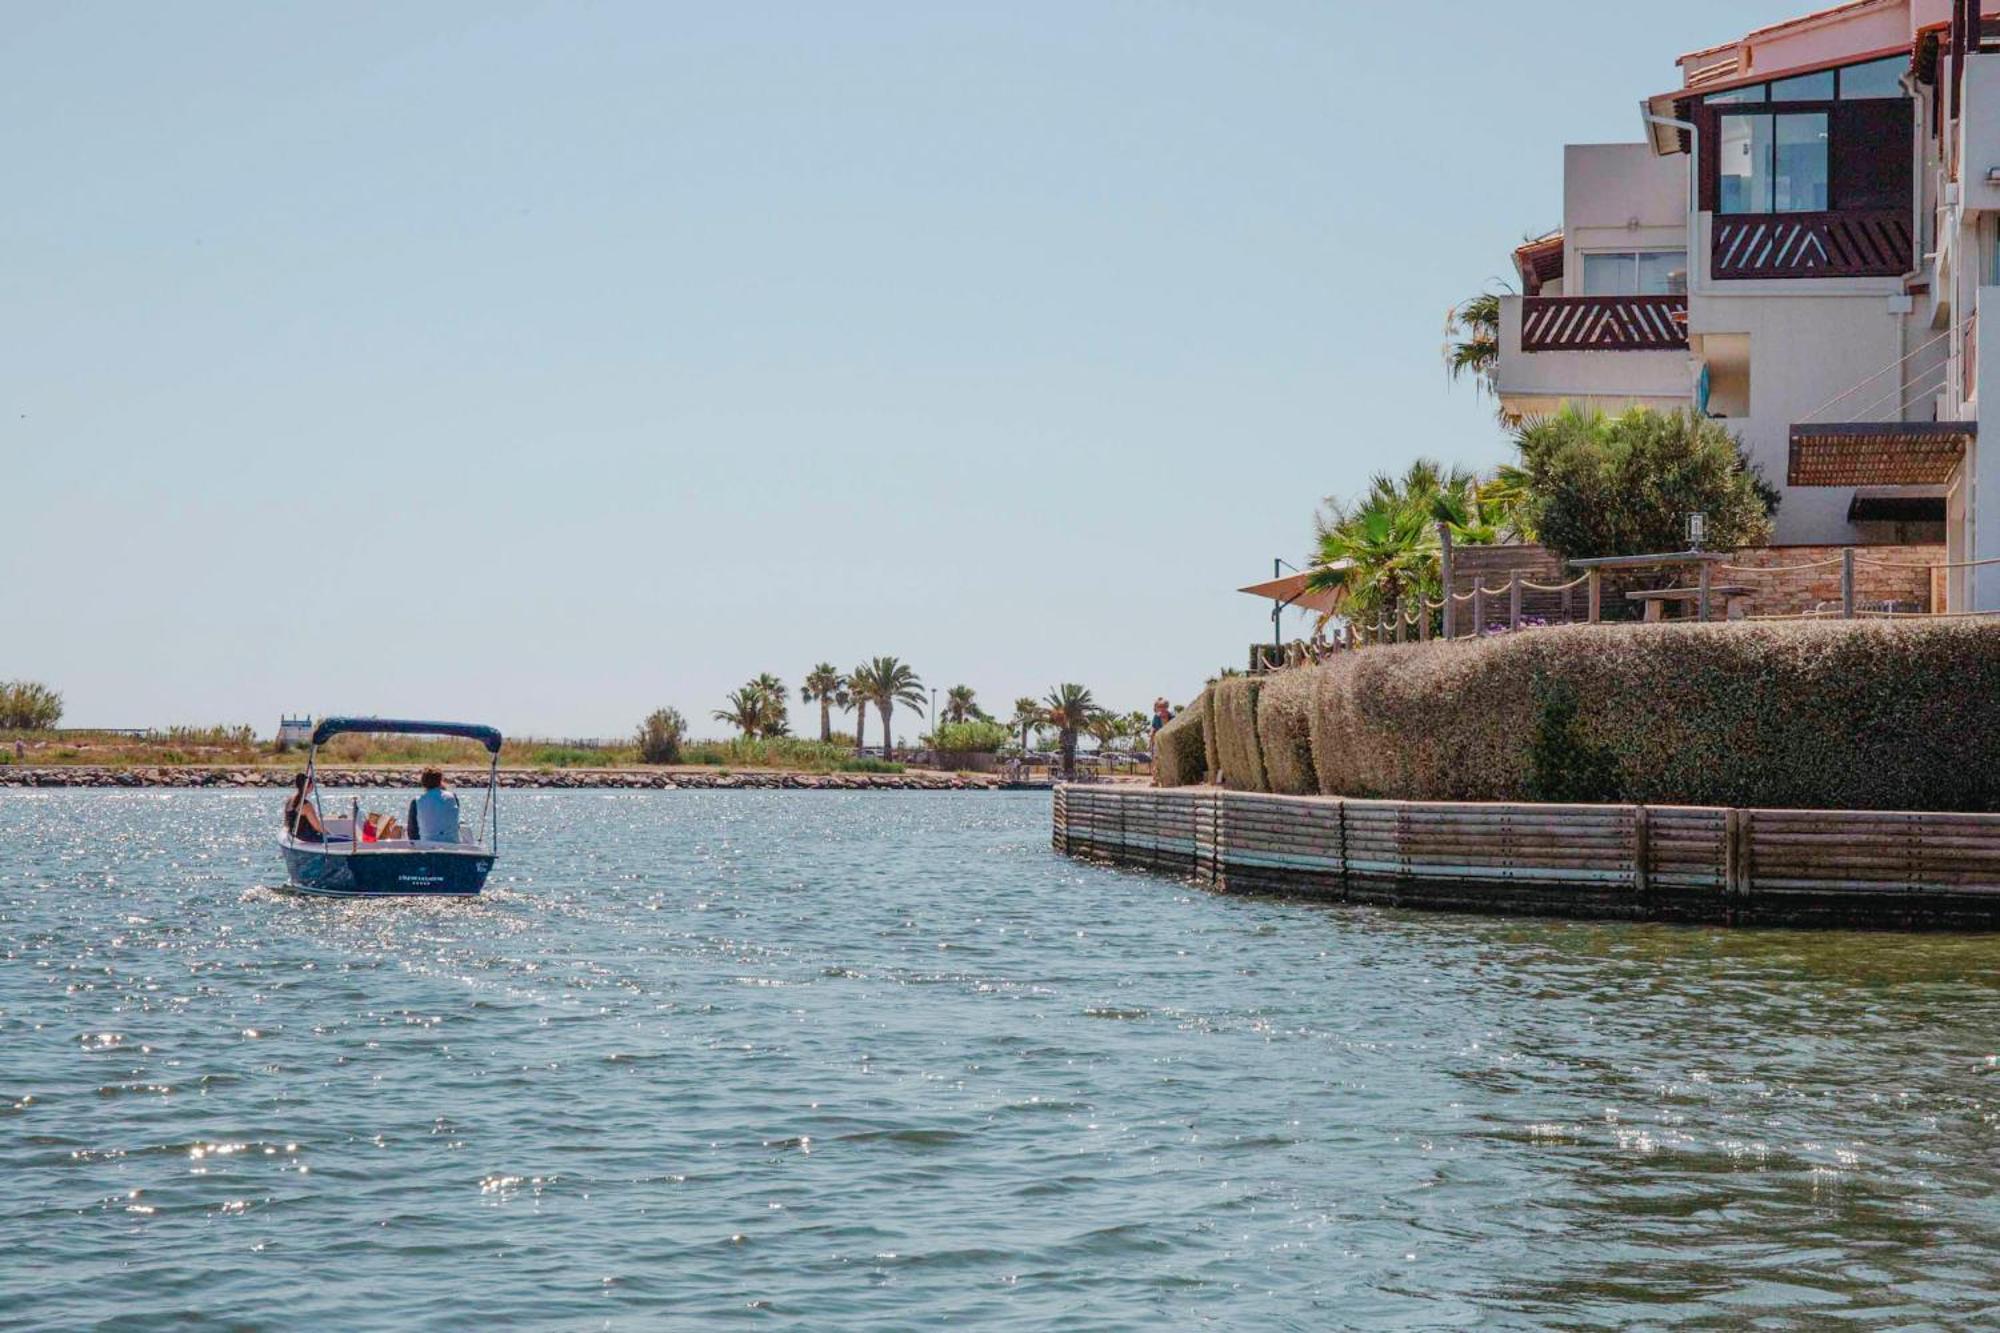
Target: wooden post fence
column 1444, row 573
column 1847, row 583
column 1514, row 601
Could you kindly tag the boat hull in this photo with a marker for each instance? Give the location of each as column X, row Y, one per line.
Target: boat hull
column 427, row 873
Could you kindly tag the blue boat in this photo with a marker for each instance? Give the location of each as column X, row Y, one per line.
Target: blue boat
column 347, row 865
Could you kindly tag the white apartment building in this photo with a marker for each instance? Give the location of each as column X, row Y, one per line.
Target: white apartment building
column 1801, row 245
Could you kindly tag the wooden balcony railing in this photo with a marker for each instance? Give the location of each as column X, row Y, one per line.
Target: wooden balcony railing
column 1862, row 244
column 1603, row 323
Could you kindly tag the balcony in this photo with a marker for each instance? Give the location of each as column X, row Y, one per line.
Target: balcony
column 1603, row 323
column 1857, row 243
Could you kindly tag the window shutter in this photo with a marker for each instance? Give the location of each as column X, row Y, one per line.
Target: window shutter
column 1870, row 154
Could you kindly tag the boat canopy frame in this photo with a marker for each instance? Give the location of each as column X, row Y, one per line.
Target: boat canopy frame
column 329, row 727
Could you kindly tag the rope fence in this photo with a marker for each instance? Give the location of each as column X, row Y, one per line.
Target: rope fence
column 1477, row 613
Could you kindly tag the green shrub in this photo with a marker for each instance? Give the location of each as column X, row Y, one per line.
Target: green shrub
column 1236, row 732
column 1619, row 485
column 223, row 734
column 27, row 705
column 971, row 737
column 1180, row 757
column 660, row 736
column 1284, row 733
column 1838, row 714
column 790, row 752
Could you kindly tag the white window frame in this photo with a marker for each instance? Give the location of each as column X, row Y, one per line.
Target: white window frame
column 1585, row 256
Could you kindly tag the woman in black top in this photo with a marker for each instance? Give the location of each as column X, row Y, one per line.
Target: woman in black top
column 302, row 816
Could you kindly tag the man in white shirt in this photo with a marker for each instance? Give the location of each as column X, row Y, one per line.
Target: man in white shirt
column 434, row 815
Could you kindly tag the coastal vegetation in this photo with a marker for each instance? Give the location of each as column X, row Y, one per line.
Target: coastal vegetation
column 886, row 682
column 1589, row 484
column 1068, row 708
column 827, row 687
column 758, row 709
column 660, row 736
column 1472, row 339
column 1821, row 714
column 962, row 705
column 28, row 705
column 1584, row 484
column 757, row 712
column 981, row 736
column 1027, row 717
column 1180, row 757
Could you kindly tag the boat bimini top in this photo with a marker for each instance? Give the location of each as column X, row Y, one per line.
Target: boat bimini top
column 329, row 727
column 487, row 837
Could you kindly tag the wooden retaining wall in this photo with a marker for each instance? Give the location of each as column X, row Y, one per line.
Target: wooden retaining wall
column 1669, row 863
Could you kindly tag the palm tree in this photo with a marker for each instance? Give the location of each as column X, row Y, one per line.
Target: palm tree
column 1503, row 497
column 777, row 713
column 1068, row 709
column 1107, row 728
column 1383, row 550
column 1472, row 339
column 826, row 687
column 887, row 682
column 858, row 700
column 748, row 711
column 960, row 705
column 1027, row 716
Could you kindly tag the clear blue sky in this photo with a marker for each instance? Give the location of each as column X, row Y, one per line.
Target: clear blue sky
column 543, row 363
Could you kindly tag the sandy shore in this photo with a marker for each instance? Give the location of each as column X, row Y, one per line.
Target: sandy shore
column 633, row 779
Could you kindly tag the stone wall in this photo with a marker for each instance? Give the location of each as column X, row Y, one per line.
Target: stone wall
column 1795, row 591
column 1792, row 591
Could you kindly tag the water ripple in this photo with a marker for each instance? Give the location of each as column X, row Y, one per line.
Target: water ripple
column 859, row 1060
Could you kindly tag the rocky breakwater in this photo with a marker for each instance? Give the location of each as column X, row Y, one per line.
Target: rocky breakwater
column 549, row 779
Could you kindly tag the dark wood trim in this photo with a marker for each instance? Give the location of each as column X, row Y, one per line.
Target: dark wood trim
column 1603, row 323
column 1859, row 243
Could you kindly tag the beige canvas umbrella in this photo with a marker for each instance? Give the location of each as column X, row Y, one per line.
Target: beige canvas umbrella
column 1291, row 590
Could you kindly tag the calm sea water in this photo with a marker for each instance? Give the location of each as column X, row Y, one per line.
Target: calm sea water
column 883, row 1060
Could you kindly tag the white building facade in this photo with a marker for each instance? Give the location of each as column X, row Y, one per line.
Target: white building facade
column 1801, row 246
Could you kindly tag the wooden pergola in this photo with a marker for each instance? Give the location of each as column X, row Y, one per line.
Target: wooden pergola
column 1878, row 453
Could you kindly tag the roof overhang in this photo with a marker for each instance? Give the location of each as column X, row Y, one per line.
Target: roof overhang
column 1878, row 453
column 1897, row 504
column 1540, row 261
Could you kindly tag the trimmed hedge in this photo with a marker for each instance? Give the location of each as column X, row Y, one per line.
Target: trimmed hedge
column 1242, row 759
column 1832, row 714
column 1180, row 757
column 1211, row 751
column 1284, row 733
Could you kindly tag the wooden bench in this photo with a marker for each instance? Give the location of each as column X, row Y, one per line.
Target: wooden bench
column 1734, row 597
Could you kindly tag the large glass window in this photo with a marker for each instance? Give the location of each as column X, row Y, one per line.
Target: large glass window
column 1773, row 162
column 1663, row 272
column 1877, row 78
column 1805, row 88
column 1744, row 160
column 1800, row 176
column 1635, row 273
column 1850, row 83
